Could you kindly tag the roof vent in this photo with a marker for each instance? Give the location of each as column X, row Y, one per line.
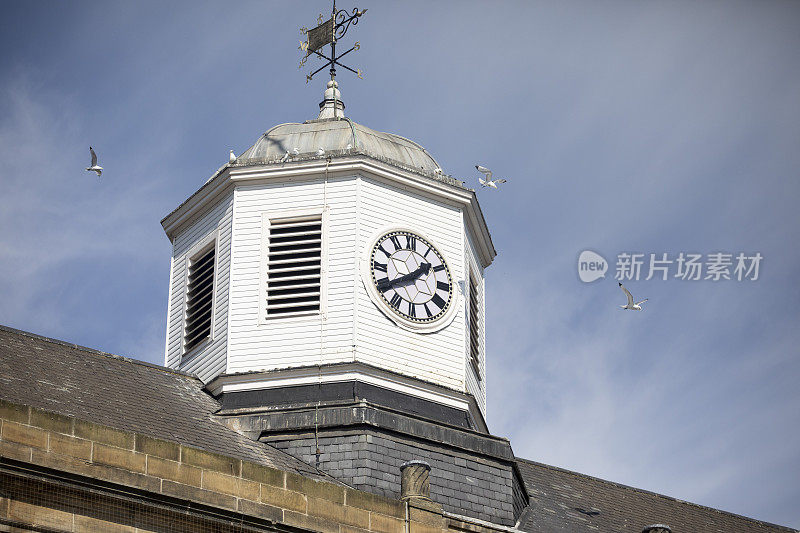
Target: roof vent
column 199, row 299
column 474, row 328
column 294, row 261
column 657, row 528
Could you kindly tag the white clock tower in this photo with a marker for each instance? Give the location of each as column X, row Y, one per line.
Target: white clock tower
column 328, row 253
column 328, row 287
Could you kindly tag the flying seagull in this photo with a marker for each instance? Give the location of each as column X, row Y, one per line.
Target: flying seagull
column 630, row 305
column 232, row 157
column 488, row 182
column 95, row 167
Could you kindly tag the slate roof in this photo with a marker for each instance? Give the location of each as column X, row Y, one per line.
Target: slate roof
column 125, row 394
column 159, row 402
column 561, row 500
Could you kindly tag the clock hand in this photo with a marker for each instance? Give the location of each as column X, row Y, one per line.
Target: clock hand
column 424, row 268
column 386, row 284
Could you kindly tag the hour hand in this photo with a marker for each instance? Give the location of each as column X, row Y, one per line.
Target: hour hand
column 424, row 268
column 386, row 284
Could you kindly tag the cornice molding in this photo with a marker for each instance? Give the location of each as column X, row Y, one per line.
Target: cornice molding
column 228, row 175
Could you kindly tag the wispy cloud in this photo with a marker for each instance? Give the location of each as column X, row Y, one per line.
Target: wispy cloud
column 66, row 234
column 648, row 127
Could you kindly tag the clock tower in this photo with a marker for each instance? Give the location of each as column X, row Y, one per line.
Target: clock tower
column 328, row 287
column 331, row 253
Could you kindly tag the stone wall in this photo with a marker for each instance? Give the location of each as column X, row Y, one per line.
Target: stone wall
column 65, row 474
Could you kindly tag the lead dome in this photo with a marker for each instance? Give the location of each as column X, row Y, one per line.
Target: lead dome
column 336, row 135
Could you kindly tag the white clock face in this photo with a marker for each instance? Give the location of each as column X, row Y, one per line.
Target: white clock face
column 411, row 277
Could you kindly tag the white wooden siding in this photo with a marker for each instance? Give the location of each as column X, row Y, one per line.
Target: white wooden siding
column 351, row 327
column 475, row 387
column 283, row 342
column 209, row 360
column 435, row 357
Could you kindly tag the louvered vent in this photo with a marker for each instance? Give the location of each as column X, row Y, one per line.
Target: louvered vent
column 199, row 299
column 474, row 325
column 294, row 266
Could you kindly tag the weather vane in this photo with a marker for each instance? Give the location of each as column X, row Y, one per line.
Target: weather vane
column 328, row 32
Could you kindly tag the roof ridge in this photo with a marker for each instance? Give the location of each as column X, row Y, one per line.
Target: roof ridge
column 658, row 494
column 82, row 348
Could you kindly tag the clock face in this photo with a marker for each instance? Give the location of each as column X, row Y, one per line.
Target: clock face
column 411, row 277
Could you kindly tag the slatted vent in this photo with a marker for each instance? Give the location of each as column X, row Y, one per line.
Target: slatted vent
column 199, row 299
column 474, row 325
column 294, row 266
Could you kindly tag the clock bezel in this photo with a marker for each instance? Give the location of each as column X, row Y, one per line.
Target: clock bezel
column 365, row 268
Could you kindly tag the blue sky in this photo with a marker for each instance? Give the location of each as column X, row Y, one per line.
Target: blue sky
column 649, row 127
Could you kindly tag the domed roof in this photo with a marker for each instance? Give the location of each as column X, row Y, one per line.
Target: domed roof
column 332, row 132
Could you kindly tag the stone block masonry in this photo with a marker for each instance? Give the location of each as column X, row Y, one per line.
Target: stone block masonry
column 64, row 474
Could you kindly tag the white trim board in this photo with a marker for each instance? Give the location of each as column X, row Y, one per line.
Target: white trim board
column 338, row 373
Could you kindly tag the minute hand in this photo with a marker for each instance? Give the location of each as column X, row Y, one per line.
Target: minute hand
column 386, row 284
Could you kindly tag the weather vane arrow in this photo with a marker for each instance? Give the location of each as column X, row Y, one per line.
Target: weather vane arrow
column 328, row 32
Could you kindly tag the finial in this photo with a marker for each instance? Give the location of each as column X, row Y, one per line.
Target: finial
column 332, row 105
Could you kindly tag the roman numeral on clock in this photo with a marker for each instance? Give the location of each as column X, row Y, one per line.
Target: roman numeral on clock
column 413, row 263
column 395, row 301
column 438, row 301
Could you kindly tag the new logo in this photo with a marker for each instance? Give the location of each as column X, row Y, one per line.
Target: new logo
column 591, row 266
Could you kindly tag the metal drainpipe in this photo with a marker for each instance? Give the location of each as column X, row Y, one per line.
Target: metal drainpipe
column 353, row 130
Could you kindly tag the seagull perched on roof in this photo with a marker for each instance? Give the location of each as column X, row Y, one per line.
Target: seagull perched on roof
column 488, row 182
column 232, row 157
column 285, row 157
column 320, row 151
column 630, row 305
column 95, row 167
column 296, row 151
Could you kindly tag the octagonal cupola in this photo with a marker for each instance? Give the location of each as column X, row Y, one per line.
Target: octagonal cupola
column 330, row 254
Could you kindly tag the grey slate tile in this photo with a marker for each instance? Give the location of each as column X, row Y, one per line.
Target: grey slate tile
column 559, row 496
column 124, row 394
